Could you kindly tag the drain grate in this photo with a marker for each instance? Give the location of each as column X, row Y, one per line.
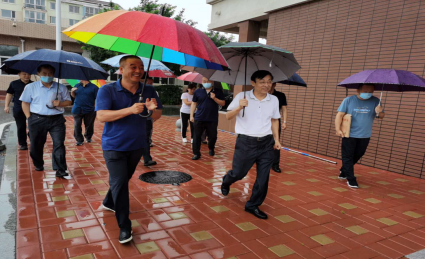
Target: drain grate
column 165, row 177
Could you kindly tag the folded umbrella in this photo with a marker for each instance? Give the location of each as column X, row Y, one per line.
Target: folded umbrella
column 294, row 80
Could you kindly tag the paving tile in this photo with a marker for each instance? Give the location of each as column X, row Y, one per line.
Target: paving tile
column 66, row 213
column 177, row 215
column 285, row 218
column 413, row 214
column 147, row 247
column 201, row 235
column 357, row 230
column 220, row 208
column 281, row 250
column 246, row 226
column 322, row 239
column 387, row 221
column 318, row 212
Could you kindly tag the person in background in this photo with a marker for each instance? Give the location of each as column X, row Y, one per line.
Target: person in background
column 85, row 94
column 124, row 135
column 282, row 108
column 258, row 135
column 42, row 120
column 185, row 111
column 204, row 134
column 206, row 102
column 363, row 108
column 14, row 91
column 147, row 158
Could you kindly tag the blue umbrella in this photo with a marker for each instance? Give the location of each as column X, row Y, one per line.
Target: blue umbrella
column 67, row 65
column 155, row 65
column 294, row 80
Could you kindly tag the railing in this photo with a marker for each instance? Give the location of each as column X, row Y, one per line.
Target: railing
column 33, row 6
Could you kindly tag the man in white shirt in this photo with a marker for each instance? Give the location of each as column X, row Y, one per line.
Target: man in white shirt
column 258, row 136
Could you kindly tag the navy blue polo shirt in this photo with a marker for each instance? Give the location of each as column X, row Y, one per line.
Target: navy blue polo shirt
column 207, row 108
column 127, row 133
column 84, row 98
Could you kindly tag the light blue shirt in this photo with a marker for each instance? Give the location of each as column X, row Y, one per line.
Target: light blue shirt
column 39, row 96
column 362, row 115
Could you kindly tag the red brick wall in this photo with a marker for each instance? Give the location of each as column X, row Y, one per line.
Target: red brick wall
column 333, row 39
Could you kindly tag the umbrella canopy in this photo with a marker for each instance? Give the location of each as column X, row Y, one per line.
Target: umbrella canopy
column 245, row 58
column 155, row 65
column 157, row 74
column 294, row 80
column 98, row 83
column 67, row 65
column 192, row 77
column 148, row 35
column 386, row 80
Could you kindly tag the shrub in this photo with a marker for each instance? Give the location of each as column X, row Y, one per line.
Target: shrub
column 169, row 94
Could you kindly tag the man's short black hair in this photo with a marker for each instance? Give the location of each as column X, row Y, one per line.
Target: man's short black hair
column 125, row 58
column 260, row 74
column 192, row 85
column 369, row 84
column 46, row 66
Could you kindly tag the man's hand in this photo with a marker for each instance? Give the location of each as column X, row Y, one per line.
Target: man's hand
column 378, row 109
column 212, row 95
column 192, row 119
column 151, row 104
column 6, row 109
column 137, row 108
column 284, row 126
column 277, row 145
column 56, row 103
column 339, row 133
column 74, row 89
column 243, row 103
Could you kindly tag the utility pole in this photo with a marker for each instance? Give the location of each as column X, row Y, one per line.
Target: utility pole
column 58, row 26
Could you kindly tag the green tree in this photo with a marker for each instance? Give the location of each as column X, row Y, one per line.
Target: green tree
column 219, row 39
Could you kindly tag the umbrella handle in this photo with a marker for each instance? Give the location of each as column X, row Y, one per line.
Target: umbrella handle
column 380, row 98
column 244, row 86
column 144, row 82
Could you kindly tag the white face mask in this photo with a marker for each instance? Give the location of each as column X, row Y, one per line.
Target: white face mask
column 207, row 85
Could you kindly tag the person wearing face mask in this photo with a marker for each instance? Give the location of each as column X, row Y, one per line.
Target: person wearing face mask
column 42, row 120
column 124, row 138
column 14, row 91
column 206, row 102
column 185, row 111
column 85, row 97
column 258, row 137
column 363, row 108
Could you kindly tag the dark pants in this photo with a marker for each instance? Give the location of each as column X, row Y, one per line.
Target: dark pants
column 250, row 150
column 149, row 130
column 88, row 125
column 185, row 122
column 121, row 167
column 200, row 126
column 352, row 150
column 21, row 124
column 277, row 152
column 38, row 127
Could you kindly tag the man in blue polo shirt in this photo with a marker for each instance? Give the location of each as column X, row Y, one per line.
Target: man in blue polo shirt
column 85, row 96
column 206, row 102
column 124, row 135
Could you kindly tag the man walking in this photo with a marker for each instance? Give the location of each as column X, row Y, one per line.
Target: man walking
column 85, row 96
column 15, row 91
column 42, row 120
column 258, row 135
column 363, row 108
column 207, row 101
column 282, row 108
column 124, row 135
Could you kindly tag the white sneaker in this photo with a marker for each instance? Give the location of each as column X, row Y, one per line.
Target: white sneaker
column 184, row 140
column 191, row 141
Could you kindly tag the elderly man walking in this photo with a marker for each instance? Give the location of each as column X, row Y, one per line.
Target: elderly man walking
column 258, row 136
column 124, row 138
column 363, row 108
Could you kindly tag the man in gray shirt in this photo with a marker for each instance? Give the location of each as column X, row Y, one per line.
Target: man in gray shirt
column 363, row 108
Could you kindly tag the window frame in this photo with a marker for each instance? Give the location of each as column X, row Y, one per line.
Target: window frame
column 74, row 7
column 54, row 4
column 12, row 13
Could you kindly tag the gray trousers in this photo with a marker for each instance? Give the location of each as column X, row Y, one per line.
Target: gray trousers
column 250, row 150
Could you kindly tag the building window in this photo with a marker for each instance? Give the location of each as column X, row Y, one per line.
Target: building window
column 74, row 9
column 8, row 1
column 90, row 11
column 171, row 81
column 53, row 19
column 7, row 51
column 36, row 4
column 7, row 14
column 53, row 5
column 73, row 21
column 35, row 17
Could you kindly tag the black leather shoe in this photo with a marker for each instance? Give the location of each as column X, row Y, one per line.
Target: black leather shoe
column 79, row 143
column 39, row 169
column 89, row 140
column 225, row 190
column 23, row 147
column 125, row 235
column 256, row 212
column 212, row 153
column 150, row 163
column 61, row 174
column 276, row 169
column 196, row 157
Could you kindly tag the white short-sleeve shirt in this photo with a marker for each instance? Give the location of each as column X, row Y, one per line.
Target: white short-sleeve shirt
column 257, row 121
column 185, row 108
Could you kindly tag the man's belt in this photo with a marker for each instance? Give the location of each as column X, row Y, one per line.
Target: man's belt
column 259, row 139
column 47, row 116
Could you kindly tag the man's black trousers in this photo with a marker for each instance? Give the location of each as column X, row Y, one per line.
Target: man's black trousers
column 352, row 150
column 211, row 129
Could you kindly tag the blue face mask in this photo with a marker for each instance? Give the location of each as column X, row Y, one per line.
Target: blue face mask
column 206, row 85
column 365, row 95
column 46, row 79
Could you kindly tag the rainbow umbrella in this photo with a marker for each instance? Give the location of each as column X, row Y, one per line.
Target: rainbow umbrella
column 97, row 82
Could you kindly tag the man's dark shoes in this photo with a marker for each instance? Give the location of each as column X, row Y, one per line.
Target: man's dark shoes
column 212, row 153
column 225, row 189
column 150, row 163
column 125, row 235
column 39, row 169
column 342, row 176
column 89, row 140
column 352, row 184
column 196, row 157
column 23, row 147
column 79, row 143
column 256, row 212
column 276, row 168
column 61, row 174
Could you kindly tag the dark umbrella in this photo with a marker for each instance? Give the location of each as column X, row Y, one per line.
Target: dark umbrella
column 294, row 80
column 67, row 65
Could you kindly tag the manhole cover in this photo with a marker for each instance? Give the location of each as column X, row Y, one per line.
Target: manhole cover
column 165, row 177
